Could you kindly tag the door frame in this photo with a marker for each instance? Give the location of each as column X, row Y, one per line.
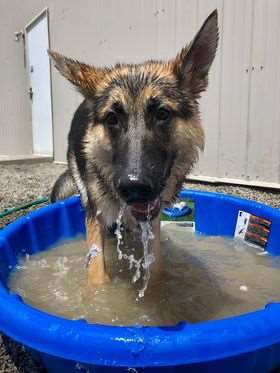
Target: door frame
column 43, row 13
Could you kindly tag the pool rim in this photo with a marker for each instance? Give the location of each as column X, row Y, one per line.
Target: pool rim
column 139, row 346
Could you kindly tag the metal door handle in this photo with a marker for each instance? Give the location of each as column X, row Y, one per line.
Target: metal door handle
column 30, row 93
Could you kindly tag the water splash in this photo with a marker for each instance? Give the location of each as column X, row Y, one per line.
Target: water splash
column 60, row 265
column 118, row 231
column 148, row 256
column 81, row 367
column 147, row 259
column 132, row 262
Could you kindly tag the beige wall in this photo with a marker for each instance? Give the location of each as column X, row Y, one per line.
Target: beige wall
column 15, row 114
column 240, row 110
column 242, row 131
column 106, row 32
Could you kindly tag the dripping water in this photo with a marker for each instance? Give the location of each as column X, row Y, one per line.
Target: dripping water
column 147, row 259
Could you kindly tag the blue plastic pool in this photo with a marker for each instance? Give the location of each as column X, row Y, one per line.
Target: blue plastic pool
column 246, row 343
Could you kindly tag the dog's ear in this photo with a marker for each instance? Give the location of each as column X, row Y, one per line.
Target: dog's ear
column 192, row 64
column 83, row 76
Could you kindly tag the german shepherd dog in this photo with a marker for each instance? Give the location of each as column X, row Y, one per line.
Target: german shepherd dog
column 134, row 138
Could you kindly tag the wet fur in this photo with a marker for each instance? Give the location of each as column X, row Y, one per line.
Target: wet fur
column 90, row 167
column 64, row 187
column 90, row 153
column 169, row 152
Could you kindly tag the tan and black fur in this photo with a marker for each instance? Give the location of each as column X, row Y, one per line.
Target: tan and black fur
column 135, row 136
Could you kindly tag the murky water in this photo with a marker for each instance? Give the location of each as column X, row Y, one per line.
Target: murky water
column 203, row 278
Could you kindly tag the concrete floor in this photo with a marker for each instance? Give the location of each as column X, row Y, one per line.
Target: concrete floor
column 20, row 183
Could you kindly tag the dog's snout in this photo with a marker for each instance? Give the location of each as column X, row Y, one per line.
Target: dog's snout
column 133, row 191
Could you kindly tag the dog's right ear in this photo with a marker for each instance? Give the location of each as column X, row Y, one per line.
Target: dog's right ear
column 84, row 77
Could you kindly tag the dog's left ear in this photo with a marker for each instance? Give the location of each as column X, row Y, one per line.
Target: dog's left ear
column 84, row 77
column 192, row 64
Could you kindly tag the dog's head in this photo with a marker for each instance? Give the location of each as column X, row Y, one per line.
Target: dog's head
column 145, row 133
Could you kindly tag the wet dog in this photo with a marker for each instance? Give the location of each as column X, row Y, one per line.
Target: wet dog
column 134, row 138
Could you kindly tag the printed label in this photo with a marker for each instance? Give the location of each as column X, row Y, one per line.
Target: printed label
column 252, row 228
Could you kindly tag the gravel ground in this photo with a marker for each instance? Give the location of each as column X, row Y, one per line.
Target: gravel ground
column 20, row 183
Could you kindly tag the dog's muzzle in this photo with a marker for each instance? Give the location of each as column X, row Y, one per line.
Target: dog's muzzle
column 141, row 196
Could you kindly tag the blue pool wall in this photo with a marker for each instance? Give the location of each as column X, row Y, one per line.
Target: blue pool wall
column 216, row 215
column 247, row 343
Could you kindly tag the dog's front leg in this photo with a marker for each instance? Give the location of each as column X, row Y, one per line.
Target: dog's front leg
column 95, row 238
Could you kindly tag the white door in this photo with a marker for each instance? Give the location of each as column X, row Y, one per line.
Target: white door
column 39, row 90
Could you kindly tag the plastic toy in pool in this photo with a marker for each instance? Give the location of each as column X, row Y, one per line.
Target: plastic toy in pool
column 246, row 343
column 177, row 210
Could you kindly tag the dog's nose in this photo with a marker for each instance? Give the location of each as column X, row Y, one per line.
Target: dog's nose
column 135, row 191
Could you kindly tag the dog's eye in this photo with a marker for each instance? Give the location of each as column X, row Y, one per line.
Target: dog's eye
column 112, row 119
column 163, row 115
